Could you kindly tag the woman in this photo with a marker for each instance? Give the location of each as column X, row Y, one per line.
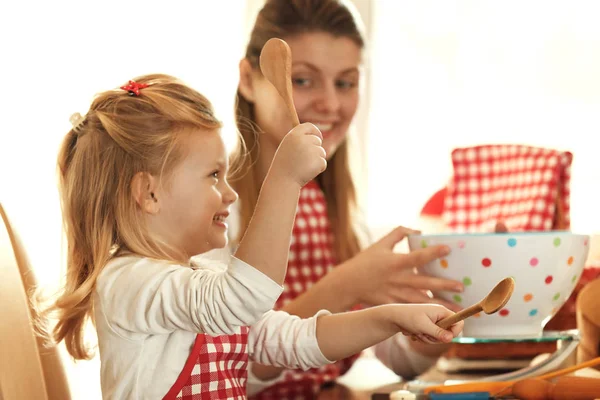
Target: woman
column 327, row 269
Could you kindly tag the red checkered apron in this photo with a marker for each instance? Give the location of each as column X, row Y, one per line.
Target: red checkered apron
column 311, row 257
column 215, row 369
column 526, row 187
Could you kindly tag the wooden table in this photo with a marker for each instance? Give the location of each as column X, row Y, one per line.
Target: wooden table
column 340, row 392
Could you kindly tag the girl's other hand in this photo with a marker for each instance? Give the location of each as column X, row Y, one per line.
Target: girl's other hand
column 420, row 321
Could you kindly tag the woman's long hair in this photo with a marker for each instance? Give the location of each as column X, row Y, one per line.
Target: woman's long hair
column 281, row 19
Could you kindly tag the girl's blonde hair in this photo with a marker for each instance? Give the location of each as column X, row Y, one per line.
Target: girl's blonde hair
column 281, row 19
column 120, row 136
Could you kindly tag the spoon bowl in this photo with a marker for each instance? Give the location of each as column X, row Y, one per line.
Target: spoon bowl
column 498, row 296
column 494, row 301
column 276, row 65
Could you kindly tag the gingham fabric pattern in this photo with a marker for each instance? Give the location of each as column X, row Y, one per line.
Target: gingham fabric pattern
column 216, row 369
column 512, row 183
column 311, row 257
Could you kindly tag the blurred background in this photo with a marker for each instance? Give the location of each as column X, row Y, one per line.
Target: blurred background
column 439, row 75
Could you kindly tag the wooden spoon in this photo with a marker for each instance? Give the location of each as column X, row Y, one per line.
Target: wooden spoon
column 494, row 301
column 276, row 65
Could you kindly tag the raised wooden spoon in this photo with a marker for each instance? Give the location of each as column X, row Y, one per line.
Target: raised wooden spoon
column 494, row 301
column 276, row 65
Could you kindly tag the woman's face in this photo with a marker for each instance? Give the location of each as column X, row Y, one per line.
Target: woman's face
column 325, row 80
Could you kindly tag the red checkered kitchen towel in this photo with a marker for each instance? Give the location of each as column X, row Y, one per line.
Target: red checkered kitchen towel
column 525, row 187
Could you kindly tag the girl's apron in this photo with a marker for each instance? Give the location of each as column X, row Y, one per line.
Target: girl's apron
column 215, row 369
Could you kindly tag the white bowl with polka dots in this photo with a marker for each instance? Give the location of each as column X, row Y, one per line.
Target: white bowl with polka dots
column 545, row 265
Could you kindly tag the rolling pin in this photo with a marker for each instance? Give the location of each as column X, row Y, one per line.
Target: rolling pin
column 565, row 388
column 588, row 322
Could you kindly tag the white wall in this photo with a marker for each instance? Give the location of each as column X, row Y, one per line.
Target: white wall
column 460, row 73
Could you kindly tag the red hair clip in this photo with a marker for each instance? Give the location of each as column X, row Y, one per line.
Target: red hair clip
column 133, row 88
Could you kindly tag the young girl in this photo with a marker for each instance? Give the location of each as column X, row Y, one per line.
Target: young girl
column 327, row 268
column 143, row 185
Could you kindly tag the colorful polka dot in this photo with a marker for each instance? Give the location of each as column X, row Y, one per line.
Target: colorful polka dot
column 556, row 296
column 585, row 242
column 528, row 297
column 457, row 298
column 467, row 281
column 570, row 260
column 423, row 244
column 504, row 312
column 574, row 279
column 444, row 263
column 533, row 312
column 556, row 242
column 477, row 315
column 486, row 262
column 461, row 244
column 534, row 261
column 512, row 242
column 549, row 279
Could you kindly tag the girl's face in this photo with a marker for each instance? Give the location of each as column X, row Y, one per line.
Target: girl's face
column 195, row 200
column 325, row 80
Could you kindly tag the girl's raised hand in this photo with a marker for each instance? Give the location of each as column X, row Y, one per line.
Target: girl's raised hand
column 300, row 156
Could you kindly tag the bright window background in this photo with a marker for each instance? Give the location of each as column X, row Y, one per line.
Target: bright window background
column 55, row 57
column 459, row 73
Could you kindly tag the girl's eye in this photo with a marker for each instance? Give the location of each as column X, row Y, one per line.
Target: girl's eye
column 215, row 174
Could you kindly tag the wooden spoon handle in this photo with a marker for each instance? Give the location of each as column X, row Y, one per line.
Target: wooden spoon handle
column 289, row 102
column 459, row 316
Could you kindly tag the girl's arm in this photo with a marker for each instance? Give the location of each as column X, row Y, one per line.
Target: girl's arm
column 140, row 297
column 345, row 334
column 287, row 341
column 266, row 242
column 375, row 276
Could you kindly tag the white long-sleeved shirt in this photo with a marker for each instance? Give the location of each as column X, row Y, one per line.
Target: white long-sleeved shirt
column 396, row 353
column 148, row 313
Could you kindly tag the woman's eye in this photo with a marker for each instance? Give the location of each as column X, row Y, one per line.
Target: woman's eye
column 303, row 82
column 343, row 84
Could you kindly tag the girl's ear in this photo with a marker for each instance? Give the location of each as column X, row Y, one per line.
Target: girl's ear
column 144, row 191
column 246, row 87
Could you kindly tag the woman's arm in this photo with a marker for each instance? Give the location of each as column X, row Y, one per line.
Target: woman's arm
column 376, row 276
column 408, row 358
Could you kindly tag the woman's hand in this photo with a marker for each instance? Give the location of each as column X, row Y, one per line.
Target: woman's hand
column 500, row 227
column 378, row 275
